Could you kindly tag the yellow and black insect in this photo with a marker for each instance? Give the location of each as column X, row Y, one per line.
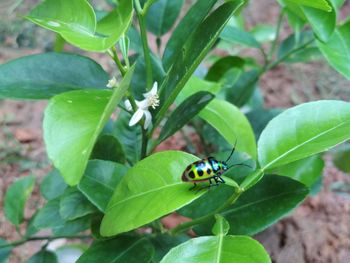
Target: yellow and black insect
column 208, row 169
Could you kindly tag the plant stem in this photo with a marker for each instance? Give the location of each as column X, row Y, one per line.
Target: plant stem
column 22, row 241
column 146, row 51
column 59, row 43
column 278, row 29
column 187, row 225
column 114, row 55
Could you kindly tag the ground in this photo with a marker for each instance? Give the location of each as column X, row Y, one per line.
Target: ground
column 316, row 232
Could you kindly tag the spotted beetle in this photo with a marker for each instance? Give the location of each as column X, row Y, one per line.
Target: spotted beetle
column 208, row 169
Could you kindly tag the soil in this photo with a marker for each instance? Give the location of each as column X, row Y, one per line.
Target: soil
column 316, row 232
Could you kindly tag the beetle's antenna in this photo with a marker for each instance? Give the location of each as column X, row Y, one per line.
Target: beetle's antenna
column 243, row 164
column 233, row 150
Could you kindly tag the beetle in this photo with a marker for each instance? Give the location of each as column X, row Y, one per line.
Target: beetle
column 207, row 169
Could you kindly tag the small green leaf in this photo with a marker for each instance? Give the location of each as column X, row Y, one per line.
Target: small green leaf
column 72, row 227
column 221, row 226
column 31, row 229
column 49, row 215
column 238, row 36
column 119, row 250
column 80, row 28
column 219, row 249
column 184, row 113
column 74, row 204
column 72, row 123
column 186, row 27
column 108, row 148
column 341, row 157
column 16, row 198
column 292, row 43
column 261, row 206
column 100, row 180
column 337, row 49
column 231, row 124
column 45, row 75
column 303, row 131
column 149, row 190
column 221, row 66
column 162, row 15
column 53, row 185
column 264, row 33
column 5, row 252
column 307, row 171
column 44, row 256
column 318, row 4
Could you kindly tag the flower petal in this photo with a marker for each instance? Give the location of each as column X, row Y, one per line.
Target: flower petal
column 148, row 119
column 153, row 91
column 128, row 105
column 136, row 117
column 112, row 83
column 143, row 104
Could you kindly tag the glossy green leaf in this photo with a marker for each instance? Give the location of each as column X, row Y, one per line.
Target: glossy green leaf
column 318, row 4
column 31, row 229
column 219, row 249
column 307, row 171
column 108, row 148
column 52, row 185
column 322, row 22
column 44, row 256
column 194, row 51
column 221, row 226
column 163, row 243
column 195, row 85
column 136, row 200
column 231, row 124
column 72, row 227
column 80, row 28
column 100, row 180
column 337, row 49
column 162, row 15
column 72, row 123
column 4, row 252
column 238, row 36
column 184, row 113
column 221, row 66
column 16, row 197
column 74, row 204
column 341, row 157
column 49, row 215
column 119, row 250
column 261, row 206
column 264, row 33
column 243, row 89
column 45, row 75
column 302, row 131
column 186, row 27
column 294, row 42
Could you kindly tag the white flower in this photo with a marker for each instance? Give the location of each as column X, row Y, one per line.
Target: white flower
column 151, row 100
column 112, row 83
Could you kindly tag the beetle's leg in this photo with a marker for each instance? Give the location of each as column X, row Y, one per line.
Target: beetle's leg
column 194, row 186
column 220, row 179
column 217, row 181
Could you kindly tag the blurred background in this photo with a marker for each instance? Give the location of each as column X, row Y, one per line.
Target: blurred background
column 318, row 231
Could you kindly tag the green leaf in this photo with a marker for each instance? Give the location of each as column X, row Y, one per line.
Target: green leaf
column 219, row 249
column 318, row 4
column 303, row 131
column 195, row 85
column 341, row 157
column 243, row 89
column 221, row 226
column 16, row 198
column 186, row 27
column 162, row 15
column 72, row 227
column 184, row 113
column 53, row 185
column 119, row 250
column 4, row 252
column 337, row 49
column 31, row 229
column 108, row 148
column 322, row 22
column 221, row 66
column 238, row 36
column 49, row 215
column 44, row 256
column 194, row 51
column 80, row 28
column 264, row 33
column 261, row 206
column 45, row 75
column 100, row 180
column 163, row 243
column 74, row 204
column 141, row 195
column 231, row 124
column 72, row 123
column 307, row 171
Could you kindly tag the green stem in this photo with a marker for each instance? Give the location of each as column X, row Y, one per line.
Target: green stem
column 146, row 51
column 59, row 43
column 114, row 55
column 22, row 241
column 278, row 29
column 200, row 220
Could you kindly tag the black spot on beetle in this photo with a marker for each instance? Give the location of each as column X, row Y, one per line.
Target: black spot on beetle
column 208, row 171
column 200, row 172
column 191, row 174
